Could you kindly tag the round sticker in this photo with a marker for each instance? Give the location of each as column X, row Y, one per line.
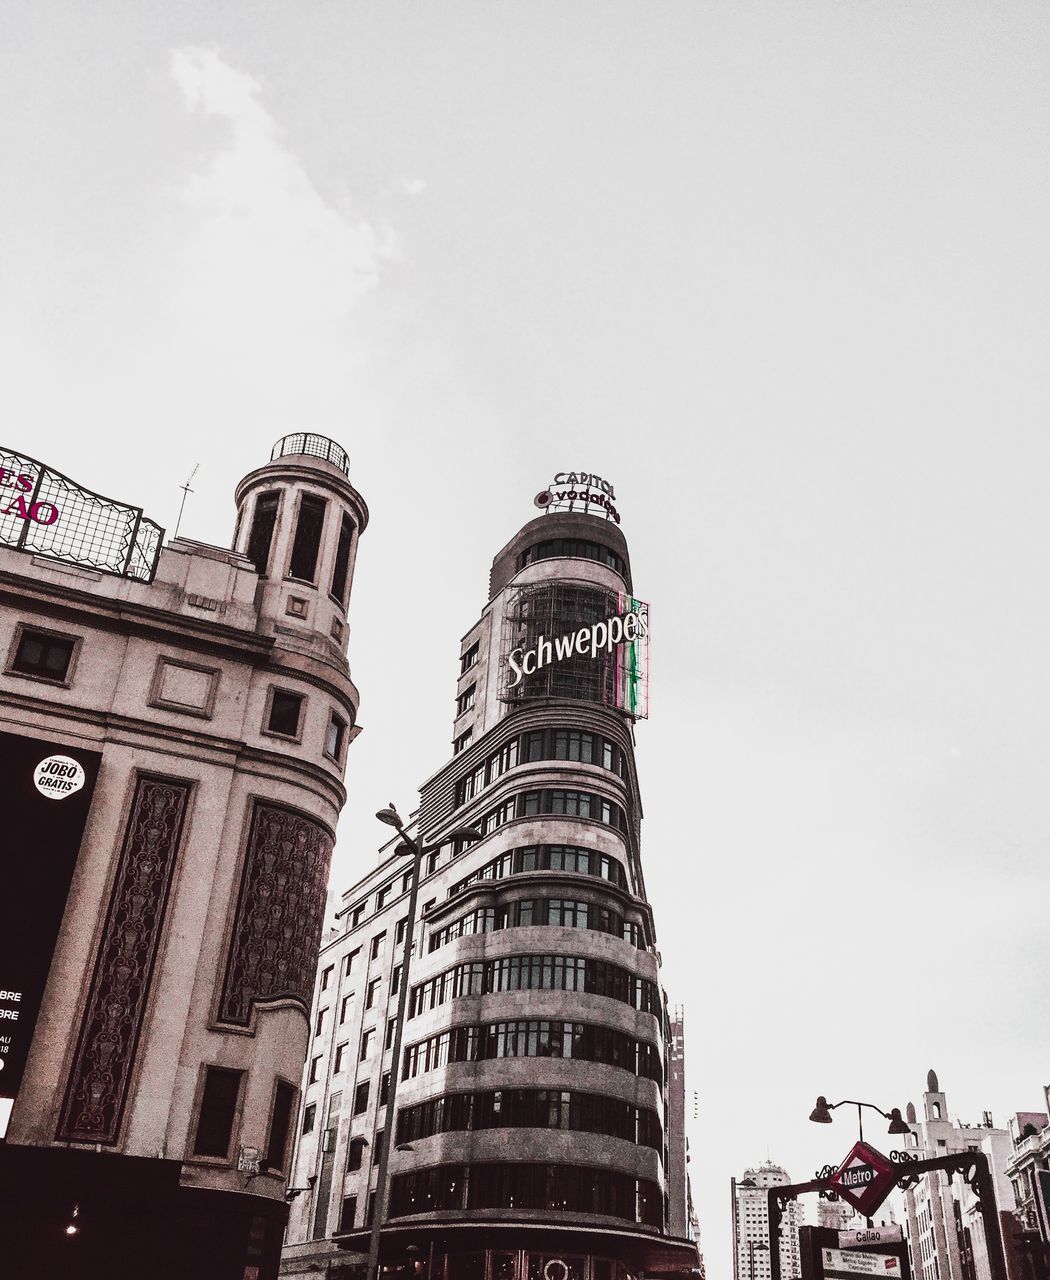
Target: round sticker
column 58, row 777
column 555, row 1269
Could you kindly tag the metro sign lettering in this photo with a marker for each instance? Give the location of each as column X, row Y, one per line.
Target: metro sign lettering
column 864, row 1179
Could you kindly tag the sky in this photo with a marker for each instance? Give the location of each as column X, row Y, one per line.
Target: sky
column 777, row 271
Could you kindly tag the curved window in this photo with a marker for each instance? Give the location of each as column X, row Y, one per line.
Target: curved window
column 264, row 519
column 577, row 548
column 547, row 857
column 534, row 1038
column 536, row 973
column 543, row 744
column 563, row 1188
column 531, row 1109
column 568, row 912
column 561, row 801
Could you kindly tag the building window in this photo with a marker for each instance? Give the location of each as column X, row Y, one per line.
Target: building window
column 315, row 1070
column 406, row 882
column 348, row 1213
column 382, row 896
column 344, row 1007
column 368, row 1041
column 284, row 715
column 218, row 1109
column 462, row 742
column 280, row 1122
column 307, row 541
column 470, row 658
column 326, row 977
column 340, row 1056
column 361, row 1098
column 466, row 699
column 399, row 932
column 342, row 560
column 41, row 654
column 395, row 980
column 334, row 738
column 384, row 1088
column 351, row 959
column 261, row 536
column 391, row 1024
column 372, row 992
column 320, row 1021
column 354, row 1154
column 309, row 1118
column 377, row 945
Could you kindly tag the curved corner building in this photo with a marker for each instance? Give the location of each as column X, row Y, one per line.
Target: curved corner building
column 532, row 1103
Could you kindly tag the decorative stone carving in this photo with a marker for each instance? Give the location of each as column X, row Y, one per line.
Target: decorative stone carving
column 109, row 1033
column 280, row 911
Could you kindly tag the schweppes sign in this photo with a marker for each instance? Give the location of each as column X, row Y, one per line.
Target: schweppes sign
column 599, row 639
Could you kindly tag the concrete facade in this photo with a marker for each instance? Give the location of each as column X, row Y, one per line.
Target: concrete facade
column 944, row 1224
column 534, row 1135
column 219, row 700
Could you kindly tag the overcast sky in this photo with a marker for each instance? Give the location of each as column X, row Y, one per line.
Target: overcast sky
column 780, row 273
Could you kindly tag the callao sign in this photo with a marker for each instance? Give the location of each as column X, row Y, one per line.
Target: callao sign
column 593, row 641
column 44, row 513
column 864, row 1179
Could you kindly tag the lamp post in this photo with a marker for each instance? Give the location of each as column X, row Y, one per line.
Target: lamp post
column 752, row 1245
column 409, row 847
column 821, row 1114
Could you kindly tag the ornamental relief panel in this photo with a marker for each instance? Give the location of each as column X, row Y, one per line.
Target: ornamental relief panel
column 280, row 912
column 98, row 1082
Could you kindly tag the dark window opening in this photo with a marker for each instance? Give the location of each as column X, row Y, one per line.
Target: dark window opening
column 285, row 709
column 310, row 1118
column 361, row 1098
column 218, row 1109
column 276, row 1147
column 43, row 655
column 348, row 1214
column 261, row 536
column 307, row 542
column 342, row 559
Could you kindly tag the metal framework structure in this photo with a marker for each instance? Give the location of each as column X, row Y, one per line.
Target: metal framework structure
column 44, row 513
column 972, row 1165
column 314, row 447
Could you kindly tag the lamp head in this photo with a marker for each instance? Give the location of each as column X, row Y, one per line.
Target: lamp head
column 467, row 833
column 390, row 816
column 897, row 1123
column 821, row 1114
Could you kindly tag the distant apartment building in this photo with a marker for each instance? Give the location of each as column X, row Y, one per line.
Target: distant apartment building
column 751, row 1242
column 945, row 1226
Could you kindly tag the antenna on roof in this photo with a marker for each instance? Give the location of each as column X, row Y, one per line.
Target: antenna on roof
column 185, row 490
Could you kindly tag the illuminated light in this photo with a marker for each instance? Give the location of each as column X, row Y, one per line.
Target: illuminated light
column 72, row 1229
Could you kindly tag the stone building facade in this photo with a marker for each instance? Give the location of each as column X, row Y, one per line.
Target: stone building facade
column 534, row 1133
column 203, row 700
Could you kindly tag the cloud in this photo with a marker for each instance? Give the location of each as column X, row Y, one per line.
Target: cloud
column 414, row 186
column 272, row 271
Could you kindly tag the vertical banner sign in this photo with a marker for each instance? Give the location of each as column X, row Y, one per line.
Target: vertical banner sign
column 47, row 793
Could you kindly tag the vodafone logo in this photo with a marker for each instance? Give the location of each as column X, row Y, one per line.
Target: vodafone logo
column 58, row 777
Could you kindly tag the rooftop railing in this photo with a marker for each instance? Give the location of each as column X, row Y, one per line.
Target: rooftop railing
column 303, row 442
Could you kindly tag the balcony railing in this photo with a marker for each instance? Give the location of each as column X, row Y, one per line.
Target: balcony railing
column 303, row 442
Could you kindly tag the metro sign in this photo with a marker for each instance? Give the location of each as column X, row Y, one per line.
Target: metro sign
column 864, row 1179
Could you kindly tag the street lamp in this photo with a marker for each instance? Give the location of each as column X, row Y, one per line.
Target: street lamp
column 821, row 1114
column 752, row 1245
column 408, row 847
